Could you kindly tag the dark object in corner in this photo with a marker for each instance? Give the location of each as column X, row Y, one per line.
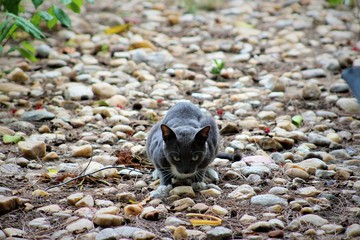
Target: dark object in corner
column 352, row 77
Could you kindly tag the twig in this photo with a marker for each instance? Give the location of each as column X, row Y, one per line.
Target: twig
column 88, row 174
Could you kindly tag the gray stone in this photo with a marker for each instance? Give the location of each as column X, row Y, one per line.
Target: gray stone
column 107, row 234
column 353, row 231
column 313, row 73
column 339, row 88
column 37, row 115
column 318, row 139
column 40, row 223
column 218, row 233
column 22, row 126
column 268, row 200
column 259, row 170
column 78, row 92
column 43, row 50
column 261, row 226
column 348, row 105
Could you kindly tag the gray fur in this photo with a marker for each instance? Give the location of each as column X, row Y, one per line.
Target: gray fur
column 182, row 145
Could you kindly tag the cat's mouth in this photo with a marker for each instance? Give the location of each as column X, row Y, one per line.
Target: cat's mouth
column 179, row 175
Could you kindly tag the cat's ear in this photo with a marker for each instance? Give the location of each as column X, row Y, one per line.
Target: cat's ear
column 167, row 133
column 203, row 134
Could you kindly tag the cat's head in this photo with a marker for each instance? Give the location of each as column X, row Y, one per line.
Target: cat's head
column 184, row 148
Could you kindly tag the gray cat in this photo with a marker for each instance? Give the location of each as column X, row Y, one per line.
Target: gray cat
column 182, row 146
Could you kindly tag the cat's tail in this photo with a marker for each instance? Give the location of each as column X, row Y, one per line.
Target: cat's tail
column 232, row 157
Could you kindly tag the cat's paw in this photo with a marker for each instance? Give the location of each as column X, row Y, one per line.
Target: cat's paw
column 212, row 174
column 155, row 174
column 161, row 191
column 197, row 186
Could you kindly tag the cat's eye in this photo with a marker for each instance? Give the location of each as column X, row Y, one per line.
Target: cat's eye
column 176, row 158
column 195, row 157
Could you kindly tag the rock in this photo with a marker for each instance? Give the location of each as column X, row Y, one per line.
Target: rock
column 247, row 219
column 297, row 173
column 268, row 200
column 40, row 223
column 339, row 87
column 107, row 220
column 14, row 232
column 312, row 219
column 8, row 204
column 262, row 171
column 174, row 221
column 107, row 234
column 353, row 231
column 32, row 149
column 318, row 139
column 79, row 226
column 258, row 160
column 229, row 128
column 218, row 233
column 218, row 210
column 53, row 208
column 134, row 233
column 308, row 191
column 260, row 227
column 278, row 190
column 348, row 105
column 78, row 92
column 332, row 228
column 116, row 101
column 82, row 151
column 270, row 144
column 86, row 201
column 242, row 192
column 13, row 87
column 75, row 197
column 104, row 90
column 276, row 234
column 311, row 91
column 313, row 73
column 313, row 163
column 183, row 191
column 37, row 115
column 9, row 168
column 18, row 75
column 210, row 193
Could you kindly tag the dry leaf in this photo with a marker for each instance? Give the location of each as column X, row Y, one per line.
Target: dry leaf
column 40, row 193
column 118, row 29
column 142, row 44
column 203, row 219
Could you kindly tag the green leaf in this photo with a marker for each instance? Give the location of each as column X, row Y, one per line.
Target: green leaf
column 3, row 26
column 11, row 139
column 36, row 19
column 75, row 5
column 90, row 1
column 28, row 47
column 37, row 3
column 46, row 16
column 27, row 54
column 297, row 120
column 62, row 17
column 13, row 48
column 27, row 26
column 1, row 49
column 102, row 103
column 7, row 31
column 66, row 2
column 11, row 6
column 51, row 23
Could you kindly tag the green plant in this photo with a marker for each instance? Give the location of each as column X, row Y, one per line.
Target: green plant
column 14, row 23
column 218, row 66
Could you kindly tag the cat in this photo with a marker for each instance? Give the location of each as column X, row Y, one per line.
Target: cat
column 182, row 146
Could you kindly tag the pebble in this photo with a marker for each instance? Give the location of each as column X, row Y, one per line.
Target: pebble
column 37, row 115
column 348, row 105
column 242, row 192
column 313, row 73
column 260, row 227
column 78, row 92
column 82, row 151
column 218, row 233
column 32, row 149
column 40, row 223
column 18, row 75
column 353, row 231
column 79, row 226
column 268, row 200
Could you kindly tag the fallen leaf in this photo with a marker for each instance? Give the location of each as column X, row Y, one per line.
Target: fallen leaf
column 118, row 29
column 203, row 219
column 297, row 120
column 40, row 193
column 142, row 44
column 12, row 139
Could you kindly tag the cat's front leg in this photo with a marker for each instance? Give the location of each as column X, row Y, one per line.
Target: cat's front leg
column 198, row 180
column 165, row 183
